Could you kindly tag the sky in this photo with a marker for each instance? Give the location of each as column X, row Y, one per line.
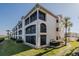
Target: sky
column 10, row 14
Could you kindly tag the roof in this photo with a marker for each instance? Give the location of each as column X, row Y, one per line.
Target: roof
column 39, row 6
column 36, row 6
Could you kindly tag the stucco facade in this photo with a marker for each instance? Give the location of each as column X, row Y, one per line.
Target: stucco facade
column 53, row 30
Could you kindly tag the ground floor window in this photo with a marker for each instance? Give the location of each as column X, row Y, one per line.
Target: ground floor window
column 31, row 39
column 20, row 38
column 43, row 39
column 57, row 38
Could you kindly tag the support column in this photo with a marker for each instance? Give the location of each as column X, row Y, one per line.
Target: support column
column 23, row 29
column 38, row 30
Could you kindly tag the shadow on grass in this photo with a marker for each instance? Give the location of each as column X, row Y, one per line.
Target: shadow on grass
column 71, row 51
column 40, row 54
column 10, row 47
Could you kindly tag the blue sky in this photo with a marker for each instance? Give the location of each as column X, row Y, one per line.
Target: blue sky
column 10, row 14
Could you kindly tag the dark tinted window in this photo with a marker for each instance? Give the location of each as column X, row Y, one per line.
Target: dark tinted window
column 31, row 39
column 31, row 29
column 42, row 27
column 20, row 25
column 28, row 39
column 57, row 29
column 43, row 39
column 20, row 37
column 20, row 32
column 33, row 17
column 27, row 21
column 57, row 38
column 42, row 16
column 57, row 21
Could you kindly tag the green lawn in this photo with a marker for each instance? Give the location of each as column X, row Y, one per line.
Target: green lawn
column 74, row 45
column 3, row 36
column 12, row 48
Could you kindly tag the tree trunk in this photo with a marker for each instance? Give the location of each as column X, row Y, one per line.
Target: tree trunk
column 65, row 32
column 65, row 37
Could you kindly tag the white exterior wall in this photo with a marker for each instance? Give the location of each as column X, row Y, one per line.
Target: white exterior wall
column 23, row 30
column 38, row 33
column 61, row 28
column 33, row 23
column 50, row 27
column 25, row 26
column 19, row 30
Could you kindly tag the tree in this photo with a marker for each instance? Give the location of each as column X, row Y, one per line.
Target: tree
column 8, row 33
column 67, row 24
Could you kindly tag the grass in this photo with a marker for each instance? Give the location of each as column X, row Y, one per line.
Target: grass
column 67, row 52
column 2, row 36
column 74, row 45
column 54, row 51
column 10, row 48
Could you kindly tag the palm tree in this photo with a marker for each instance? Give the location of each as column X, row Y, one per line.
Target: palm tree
column 67, row 24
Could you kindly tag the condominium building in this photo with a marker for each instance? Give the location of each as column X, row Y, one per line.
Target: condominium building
column 39, row 27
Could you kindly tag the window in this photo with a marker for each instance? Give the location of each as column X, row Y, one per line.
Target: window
column 57, row 21
column 33, row 17
column 43, row 39
column 31, row 29
column 42, row 16
column 57, row 38
column 20, row 25
column 20, row 37
column 57, row 29
column 42, row 27
column 20, row 32
column 16, row 32
column 31, row 39
column 27, row 21
column 28, row 39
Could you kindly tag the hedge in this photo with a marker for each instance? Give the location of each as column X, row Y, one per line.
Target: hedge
column 2, row 39
column 12, row 38
column 19, row 41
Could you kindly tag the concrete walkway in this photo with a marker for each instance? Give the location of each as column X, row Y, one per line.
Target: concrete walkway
column 61, row 53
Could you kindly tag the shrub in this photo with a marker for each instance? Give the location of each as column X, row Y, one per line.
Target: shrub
column 2, row 39
column 55, row 43
column 77, row 40
column 12, row 38
column 19, row 41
